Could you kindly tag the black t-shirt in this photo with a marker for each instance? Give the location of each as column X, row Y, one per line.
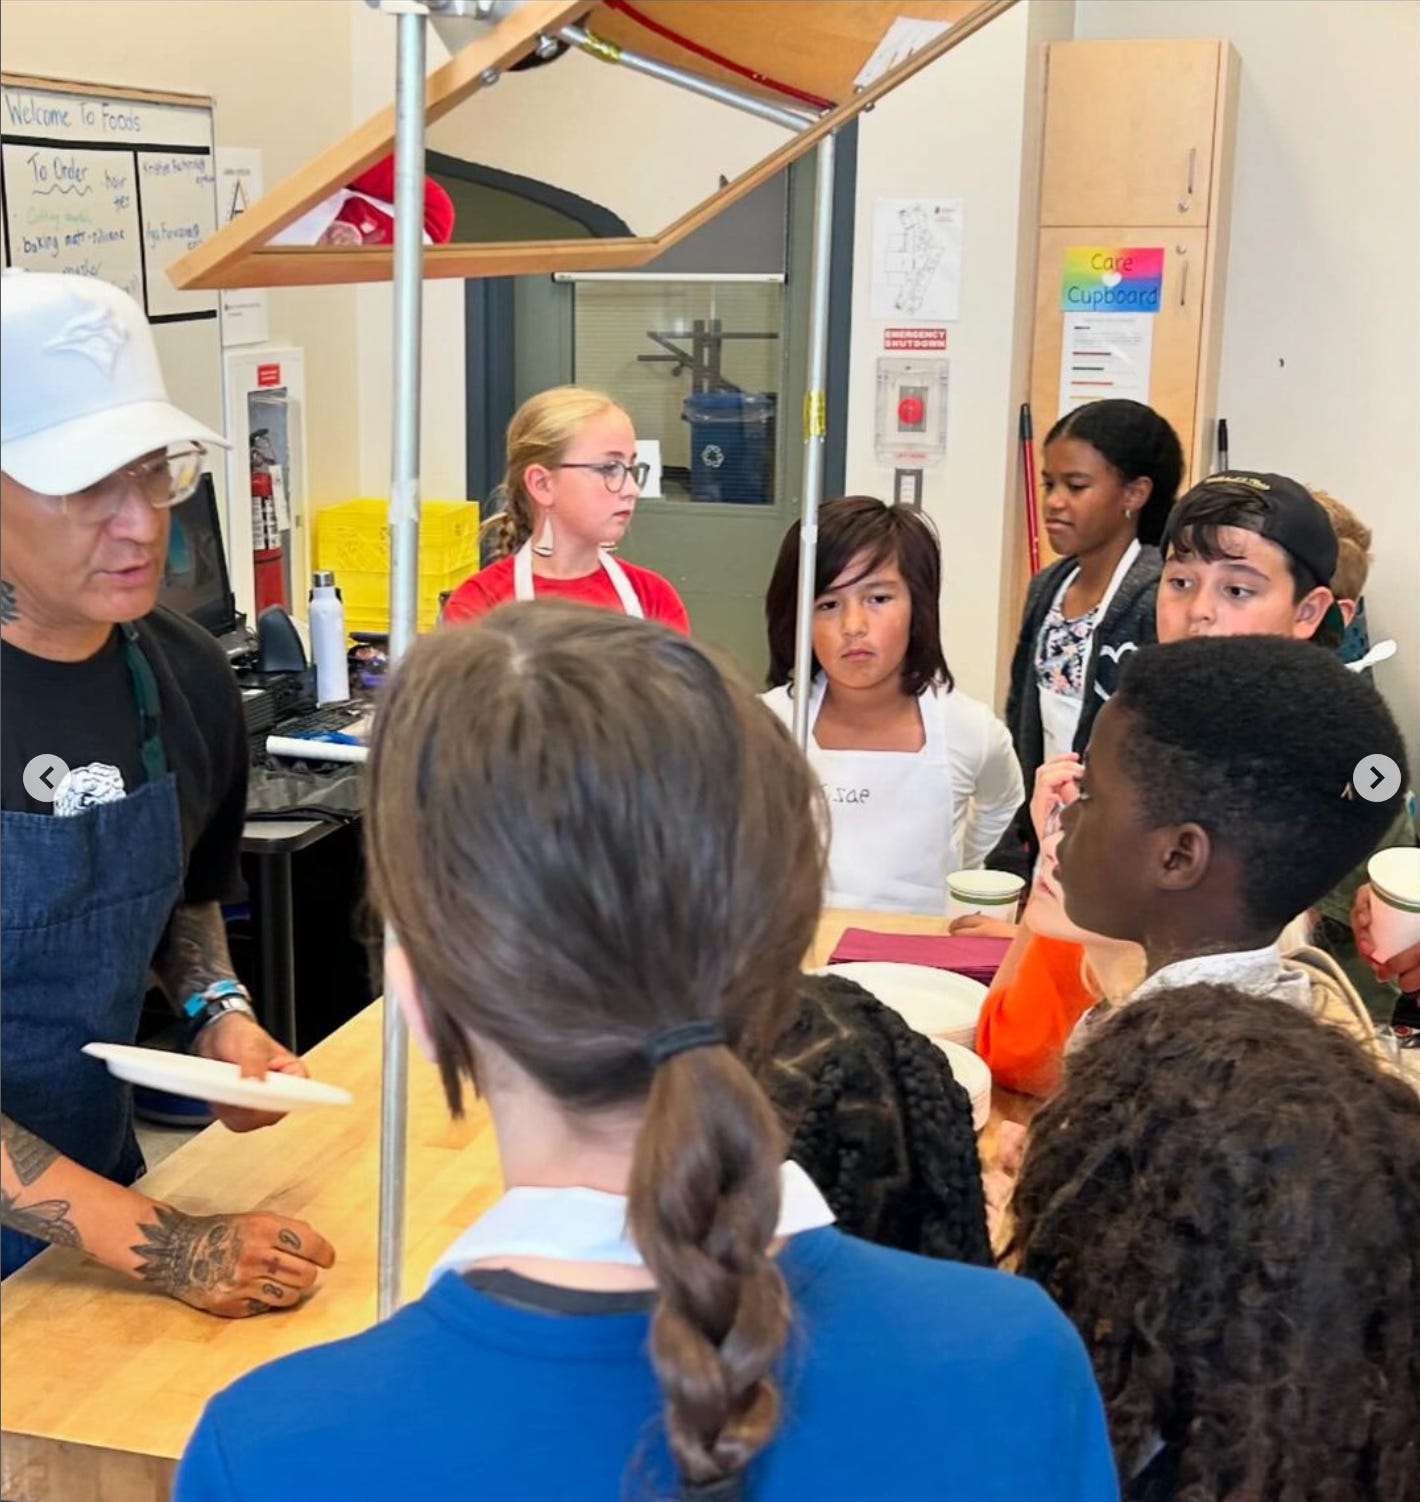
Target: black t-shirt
column 84, row 713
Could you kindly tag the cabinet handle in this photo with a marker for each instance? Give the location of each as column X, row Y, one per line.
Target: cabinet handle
column 1183, row 286
column 1186, row 202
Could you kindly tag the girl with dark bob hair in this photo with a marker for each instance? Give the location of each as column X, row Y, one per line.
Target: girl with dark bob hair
column 600, row 861
column 920, row 778
column 1225, row 1198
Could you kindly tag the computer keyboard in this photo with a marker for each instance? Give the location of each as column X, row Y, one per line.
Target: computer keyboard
column 333, row 719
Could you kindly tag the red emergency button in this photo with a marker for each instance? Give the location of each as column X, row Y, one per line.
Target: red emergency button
column 910, row 411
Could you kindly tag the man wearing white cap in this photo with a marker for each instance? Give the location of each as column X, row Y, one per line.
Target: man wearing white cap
column 116, row 868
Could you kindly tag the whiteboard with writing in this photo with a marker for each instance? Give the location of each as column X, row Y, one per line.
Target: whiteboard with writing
column 118, row 184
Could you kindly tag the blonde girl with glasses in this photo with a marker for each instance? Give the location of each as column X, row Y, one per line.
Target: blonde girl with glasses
column 569, row 494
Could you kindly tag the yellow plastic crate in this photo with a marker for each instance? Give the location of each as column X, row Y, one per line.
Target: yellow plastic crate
column 352, row 540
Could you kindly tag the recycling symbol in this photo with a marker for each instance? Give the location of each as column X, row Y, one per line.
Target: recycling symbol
column 712, row 456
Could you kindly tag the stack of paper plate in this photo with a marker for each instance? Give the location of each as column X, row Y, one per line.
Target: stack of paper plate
column 940, row 1003
column 971, row 1073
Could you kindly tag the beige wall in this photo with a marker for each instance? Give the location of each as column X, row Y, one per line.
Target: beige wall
column 1321, row 334
column 279, row 71
column 443, row 418
column 959, row 130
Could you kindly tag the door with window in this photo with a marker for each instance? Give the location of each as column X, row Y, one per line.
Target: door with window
column 706, row 349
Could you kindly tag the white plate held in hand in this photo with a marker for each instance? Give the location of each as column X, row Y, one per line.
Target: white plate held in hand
column 214, row 1080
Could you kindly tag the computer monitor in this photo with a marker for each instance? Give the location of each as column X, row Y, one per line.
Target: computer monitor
column 195, row 579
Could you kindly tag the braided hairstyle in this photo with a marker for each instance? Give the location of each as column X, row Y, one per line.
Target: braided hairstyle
column 879, row 1124
column 541, row 432
column 583, row 832
column 1224, row 1198
column 1137, row 444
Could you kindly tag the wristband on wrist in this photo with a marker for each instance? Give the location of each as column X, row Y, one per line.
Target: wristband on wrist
column 204, row 1008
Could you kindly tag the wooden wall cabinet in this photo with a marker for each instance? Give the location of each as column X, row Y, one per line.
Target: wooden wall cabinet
column 1130, row 132
column 1138, row 151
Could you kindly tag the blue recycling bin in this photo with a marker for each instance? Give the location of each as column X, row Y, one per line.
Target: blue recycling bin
column 731, row 446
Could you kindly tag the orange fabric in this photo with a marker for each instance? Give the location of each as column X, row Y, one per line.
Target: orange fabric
column 1025, row 1020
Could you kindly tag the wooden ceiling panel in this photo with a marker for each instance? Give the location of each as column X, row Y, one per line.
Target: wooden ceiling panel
column 818, row 46
column 821, row 55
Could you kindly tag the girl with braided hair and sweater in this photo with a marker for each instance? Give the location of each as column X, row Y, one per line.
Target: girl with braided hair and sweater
column 601, row 862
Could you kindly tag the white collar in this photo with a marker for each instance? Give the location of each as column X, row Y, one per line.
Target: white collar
column 589, row 1225
column 1248, row 969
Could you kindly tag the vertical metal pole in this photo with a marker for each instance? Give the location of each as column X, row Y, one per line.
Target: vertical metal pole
column 404, row 576
column 815, row 425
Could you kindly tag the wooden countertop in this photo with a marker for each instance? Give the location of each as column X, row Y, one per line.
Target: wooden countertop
column 101, row 1381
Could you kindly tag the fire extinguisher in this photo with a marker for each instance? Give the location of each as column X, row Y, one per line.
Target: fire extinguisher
column 267, row 560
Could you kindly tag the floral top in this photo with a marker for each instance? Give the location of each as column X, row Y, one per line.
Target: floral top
column 1064, row 650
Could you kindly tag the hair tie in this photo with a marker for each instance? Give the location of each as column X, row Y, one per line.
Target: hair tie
column 681, row 1038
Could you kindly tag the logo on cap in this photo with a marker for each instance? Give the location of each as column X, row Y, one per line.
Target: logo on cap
column 98, row 336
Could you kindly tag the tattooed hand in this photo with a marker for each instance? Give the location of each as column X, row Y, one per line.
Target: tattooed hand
column 231, row 1265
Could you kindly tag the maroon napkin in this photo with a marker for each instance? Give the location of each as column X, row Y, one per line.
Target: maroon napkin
column 966, row 955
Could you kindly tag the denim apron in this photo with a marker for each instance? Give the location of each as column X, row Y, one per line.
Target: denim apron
column 84, row 902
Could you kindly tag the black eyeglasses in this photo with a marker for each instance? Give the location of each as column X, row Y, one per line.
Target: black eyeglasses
column 614, row 473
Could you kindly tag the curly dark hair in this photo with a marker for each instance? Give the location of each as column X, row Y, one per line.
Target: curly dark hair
column 879, row 1124
column 1224, row 1198
column 851, row 525
column 1137, row 444
column 1256, row 738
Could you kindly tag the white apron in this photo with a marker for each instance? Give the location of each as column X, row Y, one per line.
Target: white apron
column 1060, row 713
column 523, row 580
column 589, row 1225
column 892, row 818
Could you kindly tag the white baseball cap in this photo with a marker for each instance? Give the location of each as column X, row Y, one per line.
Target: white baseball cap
column 83, row 391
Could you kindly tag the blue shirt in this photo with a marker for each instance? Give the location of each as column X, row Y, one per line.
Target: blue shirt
column 903, row 1378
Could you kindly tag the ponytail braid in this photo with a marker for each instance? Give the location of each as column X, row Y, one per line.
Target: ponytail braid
column 703, row 1207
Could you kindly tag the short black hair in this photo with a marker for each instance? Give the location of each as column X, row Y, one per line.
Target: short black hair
column 1207, row 509
column 847, row 527
column 1256, row 738
column 1137, row 444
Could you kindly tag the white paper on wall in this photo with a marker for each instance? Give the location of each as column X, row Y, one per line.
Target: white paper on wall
column 917, row 258
column 1105, row 355
column 244, row 310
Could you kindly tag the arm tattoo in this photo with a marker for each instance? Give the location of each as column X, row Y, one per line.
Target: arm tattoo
column 29, row 1155
column 186, row 1255
column 46, row 1219
column 9, row 606
column 193, row 952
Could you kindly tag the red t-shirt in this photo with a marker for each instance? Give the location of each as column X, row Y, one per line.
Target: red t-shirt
column 493, row 585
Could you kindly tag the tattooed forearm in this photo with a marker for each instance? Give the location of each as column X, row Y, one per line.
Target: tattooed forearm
column 193, row 952
column 9, row 606
column 46, row 1219
column 28, row 1154
column 188, row 1255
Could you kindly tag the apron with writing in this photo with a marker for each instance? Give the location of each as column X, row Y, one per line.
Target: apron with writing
column 523, row 580
column 84, row 902
column 1060, row 713
column 891, row 818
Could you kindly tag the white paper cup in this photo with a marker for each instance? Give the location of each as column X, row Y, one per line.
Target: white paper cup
column 994, row 894
column 1395, row 900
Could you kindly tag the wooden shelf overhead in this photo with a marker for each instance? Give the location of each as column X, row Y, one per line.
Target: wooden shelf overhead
column 800, row 54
